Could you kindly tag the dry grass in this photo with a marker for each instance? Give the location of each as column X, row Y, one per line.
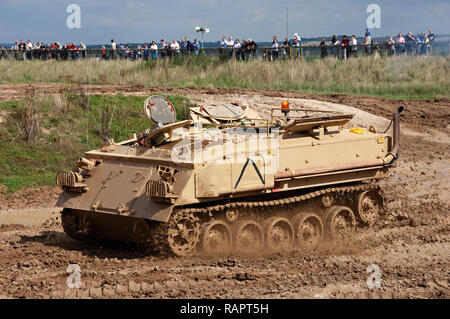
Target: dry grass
column 416, row 77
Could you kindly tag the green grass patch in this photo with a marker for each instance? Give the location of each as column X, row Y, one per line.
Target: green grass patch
column 68, row 129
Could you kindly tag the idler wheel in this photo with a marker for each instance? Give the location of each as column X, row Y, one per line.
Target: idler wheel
column 369, row 206
column 278, row 234
column 341, row 222
column 248, row 237
column 183, row 233
column 216, row 238
column 308, row 230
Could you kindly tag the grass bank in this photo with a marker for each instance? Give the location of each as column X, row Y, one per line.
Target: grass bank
column 399, row 77
column 68, row 125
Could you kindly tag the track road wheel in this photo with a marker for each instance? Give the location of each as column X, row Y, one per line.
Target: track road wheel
column 308, row 229
column 183, row 233
column 216, row 238
column 278, row 234
column 369, row 206
column 340, row 222
column 248, row 237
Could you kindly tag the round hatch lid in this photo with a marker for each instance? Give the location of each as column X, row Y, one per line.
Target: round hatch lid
column 159, row 110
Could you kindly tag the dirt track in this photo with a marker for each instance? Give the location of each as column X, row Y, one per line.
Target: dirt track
column 411, row 247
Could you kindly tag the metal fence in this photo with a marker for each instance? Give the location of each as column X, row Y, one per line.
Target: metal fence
column 307, row 52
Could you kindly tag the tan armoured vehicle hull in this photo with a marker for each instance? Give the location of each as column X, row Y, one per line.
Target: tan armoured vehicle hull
column 217, row 194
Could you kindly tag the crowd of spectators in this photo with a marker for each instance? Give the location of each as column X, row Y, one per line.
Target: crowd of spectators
column 40, row 51
column 348, row 46
column 245, row 49
column 149, row 51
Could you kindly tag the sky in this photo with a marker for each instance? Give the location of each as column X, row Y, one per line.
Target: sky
column 141, row 21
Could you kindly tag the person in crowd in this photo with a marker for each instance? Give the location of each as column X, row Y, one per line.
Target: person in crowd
column 28, row 48
column 253, row 47
column 286, row 48
column 65, row 52
column 103, row 53
column 183, row 46
column 274, row 48
column 353, row 47
column 336, row 45
column 222, row 45
column 400, row 41
column 69, row 49
column 426, row 45
column 244, row 50
column 410, row 41
column 154, row 50
column 196, row 47
column 430, row 36
column 188, row 45
column 59, row 50
column 390, row 45
column 42, row 51
column 169, row 52
column 22, row 51
column 162, row 47
column 83, row 50
column 175, row 47
column 113, row 50
column 368, row 42
column 121, row 51
column 36, row 50
column 139, row 53
column 230, row 46
column 54, row 53
column 75, row 51
column 423, row 41
column 296, row 44
column 133, row 55
column 237, row 49
column 15, row 48
column 146, row 52
column 344, row 46
column 323, row 48
column 48, row 51
column 431, row 40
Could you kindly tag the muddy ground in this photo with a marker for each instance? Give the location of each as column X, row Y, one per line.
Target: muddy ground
column 411, row 246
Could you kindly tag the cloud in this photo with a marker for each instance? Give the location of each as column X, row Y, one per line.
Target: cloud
column 135, row 5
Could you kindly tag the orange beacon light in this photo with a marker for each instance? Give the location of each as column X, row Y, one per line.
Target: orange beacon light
column 285, row 107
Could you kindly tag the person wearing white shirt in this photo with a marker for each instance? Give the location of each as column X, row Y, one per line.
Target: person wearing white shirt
column 353, row 46
column 237, row 49
column 275, row 46
column 113, row 49
column 368, row 43
column 296, row 44
column 83, row 50
column 154, row 50
column 28, row 48
column 230, row 45
column 175, row 46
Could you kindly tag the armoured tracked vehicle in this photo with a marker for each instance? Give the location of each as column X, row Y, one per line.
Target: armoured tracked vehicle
column 240, row 183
